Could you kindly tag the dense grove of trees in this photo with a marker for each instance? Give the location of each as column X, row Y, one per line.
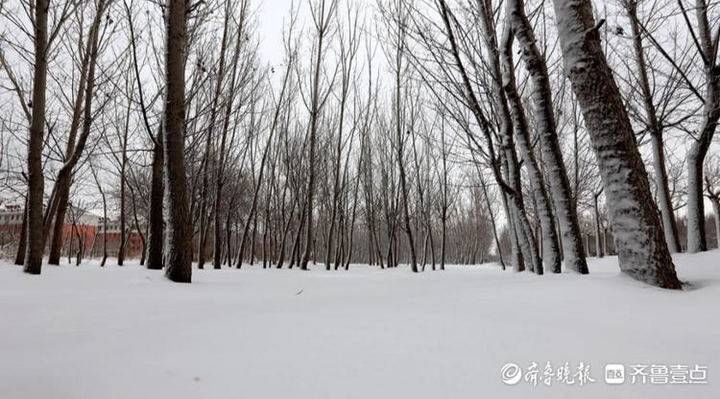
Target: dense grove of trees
column 420, row 132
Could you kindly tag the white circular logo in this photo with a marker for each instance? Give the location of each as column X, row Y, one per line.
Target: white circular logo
column 510, row 373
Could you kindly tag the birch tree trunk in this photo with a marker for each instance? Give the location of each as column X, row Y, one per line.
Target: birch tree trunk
column 550, row 243
column 642, row 251
column 507, row 157
column 573, row 251
column 492, row 220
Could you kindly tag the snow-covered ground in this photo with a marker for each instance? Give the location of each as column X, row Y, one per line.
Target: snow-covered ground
column 126, row 332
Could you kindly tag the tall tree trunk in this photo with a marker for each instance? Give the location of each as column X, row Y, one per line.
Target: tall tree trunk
column 574, row 254
column 157, row 185
column 36, row 180
column 696, row 241
column 405, row 205
column 549, row 238
column 640, row 243
column 220, row 163
column 179, row 257
column 506, row 159
column 74, row 150
column 664, row 200
column 322, row 24
column 123, row 192
column 336, row 173
column 353, row 217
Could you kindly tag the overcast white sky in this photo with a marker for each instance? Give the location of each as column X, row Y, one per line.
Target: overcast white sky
column 271, row 14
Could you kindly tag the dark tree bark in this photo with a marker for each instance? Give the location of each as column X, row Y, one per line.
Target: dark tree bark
column 599, row 251
column 20, row 254
column 156, row 236
column 75, row 150
column 179, row 256
column 123, row 189
column 36, row 180
column 105, row 216
column 322, row 16
column 157, row 185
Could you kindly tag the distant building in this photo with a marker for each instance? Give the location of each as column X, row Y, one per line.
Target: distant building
column 88, row 226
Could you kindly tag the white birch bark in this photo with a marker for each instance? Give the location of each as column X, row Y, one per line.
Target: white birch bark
column 639, row 240
column 573, row 251
column 550, row 244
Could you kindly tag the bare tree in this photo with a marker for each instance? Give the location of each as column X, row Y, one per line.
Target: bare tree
column 643, row 253
column 36, row 180
column 178, row 266
column 655, row 130
column 322, row 15
column 573, row 252
column 707, row 47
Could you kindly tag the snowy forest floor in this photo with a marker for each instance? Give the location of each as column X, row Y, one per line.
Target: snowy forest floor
column 126, row 332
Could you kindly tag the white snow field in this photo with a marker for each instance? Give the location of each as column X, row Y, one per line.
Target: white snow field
column 126, row 332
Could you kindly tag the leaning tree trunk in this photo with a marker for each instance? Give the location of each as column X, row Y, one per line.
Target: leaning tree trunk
column 65, row 175
column 36, row 180
column 642, row 252
column 157, row 187
column 62, row 197
column 179, row 256
column 526, row 238
column 516, row 211
column 573, row 251
column 550, row 243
